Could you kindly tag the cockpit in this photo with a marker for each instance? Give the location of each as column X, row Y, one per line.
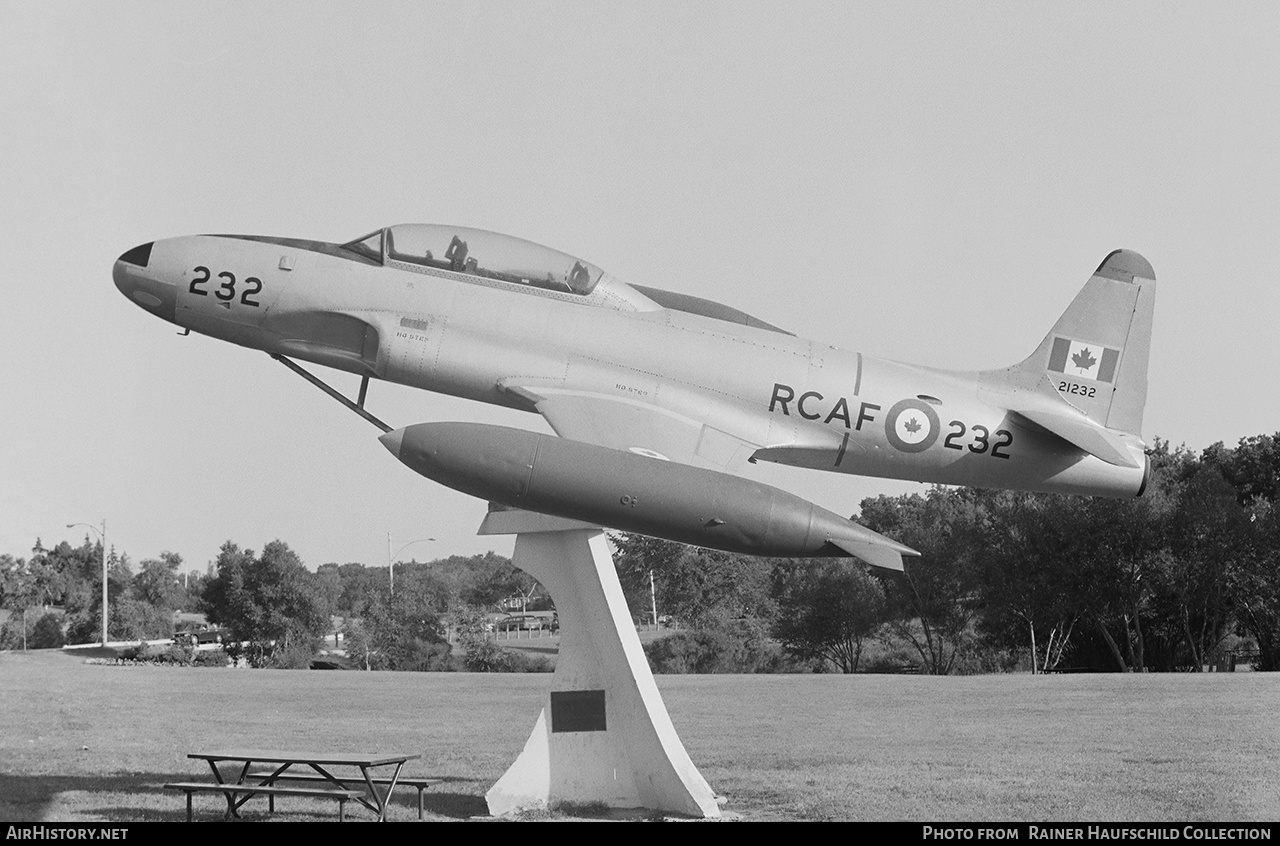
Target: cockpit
column 477, row 253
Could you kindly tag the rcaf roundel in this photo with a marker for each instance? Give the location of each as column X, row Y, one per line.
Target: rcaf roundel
column 911, row 425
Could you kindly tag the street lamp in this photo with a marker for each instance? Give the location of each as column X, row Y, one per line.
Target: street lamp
column 653, row 601
column 391, row 571
column 103, row 536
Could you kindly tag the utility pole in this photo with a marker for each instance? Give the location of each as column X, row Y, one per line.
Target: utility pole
column 653, row 601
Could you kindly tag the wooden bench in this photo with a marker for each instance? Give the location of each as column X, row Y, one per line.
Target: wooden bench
column 271, row 791
column 420, row 784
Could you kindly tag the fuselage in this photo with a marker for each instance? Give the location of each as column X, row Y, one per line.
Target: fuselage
column 500, row 313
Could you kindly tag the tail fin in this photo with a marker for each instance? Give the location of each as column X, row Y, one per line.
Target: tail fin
column 1096, row 354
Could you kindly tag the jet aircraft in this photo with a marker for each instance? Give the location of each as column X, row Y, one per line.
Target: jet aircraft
column 661, row 400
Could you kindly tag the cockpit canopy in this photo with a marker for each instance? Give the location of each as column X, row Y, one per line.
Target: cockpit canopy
column 477, row 252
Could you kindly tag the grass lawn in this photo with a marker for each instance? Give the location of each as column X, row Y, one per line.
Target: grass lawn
column 85, row 743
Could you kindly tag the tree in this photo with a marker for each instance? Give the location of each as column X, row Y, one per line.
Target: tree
column 402, row 633
column 46, row 632
column 48, row 582
column 78, row 579
column 932, row 604
column 19, row 591
column 1252, row 468
column 828, row 610
column 157, row 581
column 482, row 580
column 329, row 587
column 358, row 643
column 358, row 585
column 81, row 572
column 1120, row 561
column 270, row 602
column 491, row 580
column 481, row 655
column 1027, row 570
column 741, row 646
column 703, row 588
column 157, row 593
column 193, row 582
column 1257, row 586
column 1211, row 542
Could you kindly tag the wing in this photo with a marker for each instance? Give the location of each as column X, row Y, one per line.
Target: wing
column 636, row 426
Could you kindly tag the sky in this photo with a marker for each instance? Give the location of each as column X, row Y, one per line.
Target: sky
column 928, row 182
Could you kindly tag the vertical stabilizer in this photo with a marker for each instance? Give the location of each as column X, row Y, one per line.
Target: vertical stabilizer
column 1096, row 354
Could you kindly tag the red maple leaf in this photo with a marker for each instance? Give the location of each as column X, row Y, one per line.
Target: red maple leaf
column 911, row 426
column 1084, row 360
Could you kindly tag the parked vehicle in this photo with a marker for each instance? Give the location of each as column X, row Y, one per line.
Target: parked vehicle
column 199, row 638
column 529, row 622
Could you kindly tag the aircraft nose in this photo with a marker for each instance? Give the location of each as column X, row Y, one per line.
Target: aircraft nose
column 138, row 281
column 125, row 268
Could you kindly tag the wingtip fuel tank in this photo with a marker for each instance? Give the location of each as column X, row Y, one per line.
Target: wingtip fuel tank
column 634, row 493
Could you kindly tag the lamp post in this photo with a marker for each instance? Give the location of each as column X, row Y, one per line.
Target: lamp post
column 102, row 534
column 391, row 571
column 653, row 601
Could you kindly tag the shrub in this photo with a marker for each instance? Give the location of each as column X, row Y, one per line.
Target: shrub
column 291, row 656
column 992, row 659
column 132, row 652
column 531, row 663
column 484, row 656
column 174, row 653
column 697, row 651
column 156, row 653
column 890, row 656
column 739, row 648
column 10, row 637
column 46, row 633
column 209, row 658
column 427, row 656
column 84, row 627
column 234, row 651
column 43, row 632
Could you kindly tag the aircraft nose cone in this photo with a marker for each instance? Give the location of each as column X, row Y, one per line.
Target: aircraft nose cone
column 131, row 260
column 137, row 280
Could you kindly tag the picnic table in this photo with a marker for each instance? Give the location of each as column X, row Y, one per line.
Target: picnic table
column 315, row 767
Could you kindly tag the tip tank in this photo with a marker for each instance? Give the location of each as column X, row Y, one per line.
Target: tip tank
column 633, row 493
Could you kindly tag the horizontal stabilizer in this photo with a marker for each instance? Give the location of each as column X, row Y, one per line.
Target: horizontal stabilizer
column 1092, row 439
column 883, row 552
column 1070, row 424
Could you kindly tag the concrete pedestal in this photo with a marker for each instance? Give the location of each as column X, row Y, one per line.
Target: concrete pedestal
column 604, row 734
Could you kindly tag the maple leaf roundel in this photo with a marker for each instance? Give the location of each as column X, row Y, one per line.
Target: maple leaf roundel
column 911, row 425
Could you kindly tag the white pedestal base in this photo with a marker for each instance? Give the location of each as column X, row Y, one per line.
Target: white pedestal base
column 604, row 734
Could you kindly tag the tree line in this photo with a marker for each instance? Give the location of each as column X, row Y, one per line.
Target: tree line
column 1172, row 580
column 273, row 609
column 1169, row 581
